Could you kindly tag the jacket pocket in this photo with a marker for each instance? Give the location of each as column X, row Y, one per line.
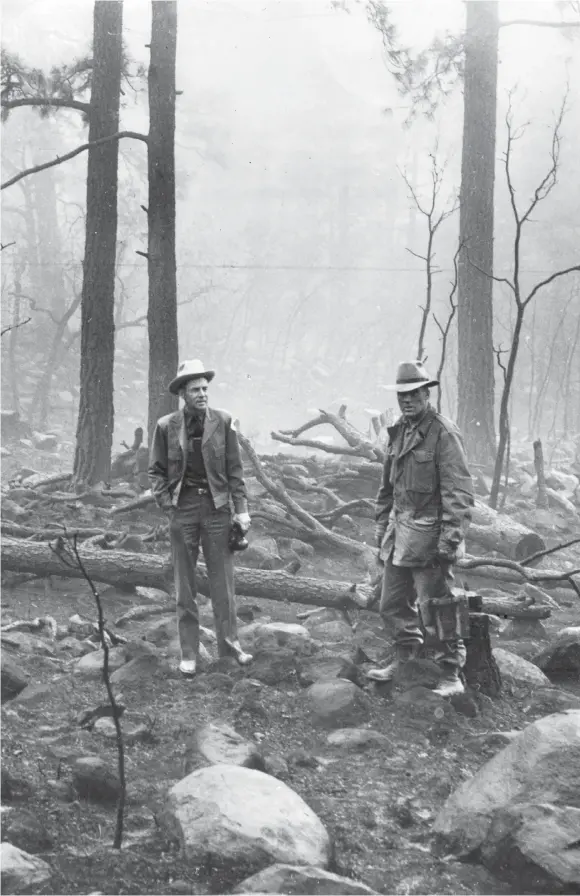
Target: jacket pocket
column 422, row 475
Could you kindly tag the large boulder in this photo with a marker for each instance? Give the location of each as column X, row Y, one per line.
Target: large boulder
column 324, row 667
column 91, row 665
column 21, row 872
column 561, row 658
column 14, row 679
column 521, row 812
column 338, row 703
column 329, row 626
column 298, row 879
column 239, row 816
column 516, row 670
column 272, row 635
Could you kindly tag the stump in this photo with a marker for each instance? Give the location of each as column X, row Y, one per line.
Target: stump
column 481, row 671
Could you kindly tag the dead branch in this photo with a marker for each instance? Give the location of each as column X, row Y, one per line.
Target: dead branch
column 319, row 446
column 447, row 328
column 352, row 436
column 558, row 547
column 70, row 155
column 137, row 503
column 539, row 575
column 331, row 516
column 280, row 494
column 15, row 326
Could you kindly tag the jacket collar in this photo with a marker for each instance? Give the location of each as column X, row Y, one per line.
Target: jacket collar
column 178, row 427
column 420, row 430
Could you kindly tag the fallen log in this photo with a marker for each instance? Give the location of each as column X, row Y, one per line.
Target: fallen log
column 511, row 571
column 135, row 504
column 122, row 568
column 358, row 443
column 15, row 531
column 499, row 532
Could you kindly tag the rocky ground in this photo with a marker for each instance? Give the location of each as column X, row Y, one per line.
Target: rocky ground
column 376, row 788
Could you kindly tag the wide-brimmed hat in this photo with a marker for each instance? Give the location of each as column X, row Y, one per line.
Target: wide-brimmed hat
column 190, row 370
column 411, row 375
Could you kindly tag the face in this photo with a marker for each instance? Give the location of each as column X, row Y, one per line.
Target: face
column 412, row 404
column 194, row 394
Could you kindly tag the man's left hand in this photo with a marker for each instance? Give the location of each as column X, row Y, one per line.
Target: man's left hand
column 446, row 558
column 243, row 520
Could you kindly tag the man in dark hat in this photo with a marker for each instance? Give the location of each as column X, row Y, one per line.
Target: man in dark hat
column 423, row 509
column 196, row 475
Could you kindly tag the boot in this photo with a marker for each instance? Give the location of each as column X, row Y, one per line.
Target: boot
column 403, row 655
column 237, row 651
column 450, row 683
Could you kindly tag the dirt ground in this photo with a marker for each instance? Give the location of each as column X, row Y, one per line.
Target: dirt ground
column 378, row 805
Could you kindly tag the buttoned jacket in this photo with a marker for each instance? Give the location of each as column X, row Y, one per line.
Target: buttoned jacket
column 221, row 456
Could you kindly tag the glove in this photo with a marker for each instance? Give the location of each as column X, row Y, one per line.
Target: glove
column 243, row 520
column 446, row 557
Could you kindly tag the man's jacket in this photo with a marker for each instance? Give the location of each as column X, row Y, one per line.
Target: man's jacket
column 423, row 506
column 221, row 456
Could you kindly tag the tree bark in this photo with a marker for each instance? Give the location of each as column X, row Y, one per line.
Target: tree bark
column 476, row 222
column 94, row 436
column 162, row 311
column 481, row 670
column 123, row 568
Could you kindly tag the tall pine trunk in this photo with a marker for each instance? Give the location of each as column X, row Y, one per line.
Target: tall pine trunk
column 475, row 287
column 162, row 311
column 96, row 413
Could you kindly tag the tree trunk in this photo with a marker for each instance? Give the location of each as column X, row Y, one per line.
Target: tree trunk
column 481, row 670
column 162, row 311
column 476, row 221
column 123, row 568
column 96, row 413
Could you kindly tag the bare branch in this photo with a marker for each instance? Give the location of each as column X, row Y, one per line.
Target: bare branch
column 13, row 243
column 491, row 276
column 548, row 280
column 539, row 23
column 15, row 326
column 70, row 155
column 47, row 101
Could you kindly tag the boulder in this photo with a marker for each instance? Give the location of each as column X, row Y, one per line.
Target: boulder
column 298, row 879
column 14, row 679
column 76, row 648
column 329, row 626
column 26, row 643
column 91, row 665
column 273, row 667
column 80, row 627
column 548, row 700
column 524, row 629
column 94, row 779
column 273, row 635
column 357, row 739
column 526, row 792
column 338, row 703
column 561, row 659
column 141, row 669
column 243, row 817
column 518, row 671
column 21, row 872
column 26, row 831
column 220, row 744
column 262, row 553
column 324, row 668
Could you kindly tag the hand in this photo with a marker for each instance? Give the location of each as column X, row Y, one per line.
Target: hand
column 446, row 558
column 243, row 520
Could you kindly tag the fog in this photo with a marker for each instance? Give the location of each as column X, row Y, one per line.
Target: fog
column 293, row 219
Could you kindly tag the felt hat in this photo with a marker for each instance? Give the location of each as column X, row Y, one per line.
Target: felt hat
column 411, row 375
column 190, row 370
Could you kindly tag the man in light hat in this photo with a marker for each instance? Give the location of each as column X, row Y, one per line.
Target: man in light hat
column 196, row 474
column 423, row 509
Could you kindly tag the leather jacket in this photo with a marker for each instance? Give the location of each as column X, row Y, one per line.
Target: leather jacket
column 221, row 456
column 423, row 506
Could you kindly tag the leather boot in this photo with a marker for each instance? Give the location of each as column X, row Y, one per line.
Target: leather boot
column 450, row 682
column 403, row 655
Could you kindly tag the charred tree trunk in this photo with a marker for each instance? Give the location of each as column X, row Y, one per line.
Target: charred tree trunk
column 162, row 312
column 481, row 670
column 476, row 222
column 94, row 436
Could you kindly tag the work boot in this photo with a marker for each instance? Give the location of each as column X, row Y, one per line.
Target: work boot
column 390, row 671
column 243, row 658
column 450, row 683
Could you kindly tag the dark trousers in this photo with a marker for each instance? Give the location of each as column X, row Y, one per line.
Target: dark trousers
column 196, row 523
column 405, row 599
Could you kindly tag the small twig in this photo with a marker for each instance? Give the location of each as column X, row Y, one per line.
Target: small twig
column 15, row 326
column 59, row 549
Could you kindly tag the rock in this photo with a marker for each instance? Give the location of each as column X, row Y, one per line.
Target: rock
column 417, row 673
column 244, row 817
column 302, row 758
column 520, row 810
column 44, row 441
column 25, row 830
column 527, row 649
column 540, row 597
column 491, row 740
column 357, row 739
column 220, row 744
column 338, row 703
column 561, row 659
column 215, row 681
column 302, row 548
column 141, row 669
column 14, row 679
column 298, row 879
column 289, row 635
column 329, row 626
column 525, row 629
column 26, row 643
column 273, row 668
column 262, row 553
column 94, row 779
column 372, row 648
column 246, row 686
column 518, row 671
column 21, row 872
column 161, row 630
column 76, row 648
column 247, row 612
column 548, row 700
column 132, row 734
column 276, row 766
column 142, row 611
column 324, row 668
column 91, row 665
column 81, row 627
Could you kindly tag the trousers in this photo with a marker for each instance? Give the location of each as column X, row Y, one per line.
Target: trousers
column 197, row 523
column 405, row 603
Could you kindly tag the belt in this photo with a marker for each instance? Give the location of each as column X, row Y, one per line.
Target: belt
column 197, row 491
